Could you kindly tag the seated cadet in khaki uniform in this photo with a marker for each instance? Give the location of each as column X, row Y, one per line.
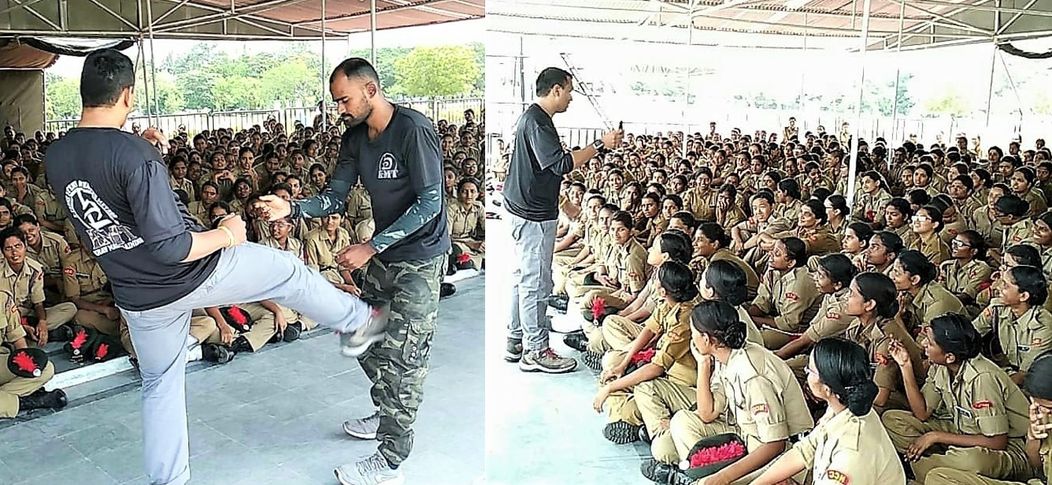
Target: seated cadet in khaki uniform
column 1023, row 325
column 832, row 276
column 787, row 299
column 759, row 388
column 812, row 228
column 298, row 227
column 21, row 393
column 663, row 385
column 24, row 278
column 594, row 256
column 359, row 214
column 1012, row 214
column 50, row 250
column 209, row 338
column 872, row 305
column 872, row 199
column 653, row 223
column 281, row 238
column 927, row 223
column 85, row 287
column 467, row 227
column 711, row 244
column 967, row 272
column 199, row 208
column 570, row 238
column 1022, row 184
column 729, row 212
column 968, row 415
column 953, row 222
column 849, row 443
column 1042, row 239
column 922, row 299
column 700, row 200
column 620, row 281
column 49, row 211
column 271, row 322
column 745, row 235
column 618, row 330
column 897, row 216
column 787, row 212
column 320, row 248
column 1038, row 443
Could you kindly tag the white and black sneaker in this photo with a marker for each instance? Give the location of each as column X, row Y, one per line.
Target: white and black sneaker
column 363, row 428
column 353, row 344
column 370, row 470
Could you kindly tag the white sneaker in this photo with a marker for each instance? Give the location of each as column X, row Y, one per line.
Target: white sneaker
column 370, row 470
column 363, row 428
column 355, row 343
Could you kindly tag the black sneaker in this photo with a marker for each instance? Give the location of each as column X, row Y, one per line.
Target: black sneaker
column 621, row 433
column 654, row 470
column 593, row 360
column 64, row 333
column 559, row 303
column 576, row 340
column 447, row 289
column 216, row 353
column 292, row 332
column 513, row 352
column 240, row 345
column 644, row 436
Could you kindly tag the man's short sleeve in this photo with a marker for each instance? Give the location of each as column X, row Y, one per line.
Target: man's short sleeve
column 153, row 201
column 423, row 157
column 549, row 149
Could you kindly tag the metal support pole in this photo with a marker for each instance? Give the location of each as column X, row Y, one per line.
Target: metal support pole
column 990, row 87
column 372, row 32
column 853, row 163
column 153, row 63
column 686, row 88
column 145, row 80
column 803, row 74
column 898, row 70
column 324, row 85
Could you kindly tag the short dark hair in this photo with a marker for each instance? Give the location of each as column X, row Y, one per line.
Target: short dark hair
column 106, row 73
column 355, row 67
column 549, row 77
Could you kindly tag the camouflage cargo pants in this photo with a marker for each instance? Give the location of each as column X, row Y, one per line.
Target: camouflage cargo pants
column 397, row 365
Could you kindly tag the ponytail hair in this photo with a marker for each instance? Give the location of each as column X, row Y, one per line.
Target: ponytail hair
column 843, row 366
column 719, row 320
column 879, row 288
column 728, row 281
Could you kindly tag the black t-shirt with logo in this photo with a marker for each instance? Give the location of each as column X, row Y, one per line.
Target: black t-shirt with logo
column 395, row 167
column 116, row 192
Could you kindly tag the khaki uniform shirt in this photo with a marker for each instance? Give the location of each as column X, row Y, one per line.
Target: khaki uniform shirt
column 982, row 399
column 951, row 230
column 53, row 255
column 964, row 279
column 931, row 301
column 46, row 208
column 466, row 223
column 990, row 229
column 785, row 216
column 360, row 205
column 320, row 251
column 291, row 245
column 831, row 319
column 187, row 186
column 876, row 339
column 701, row 203
column 631, row 268
column 789, row 298
column 764, row 396
column 27, row 285
column 1019, row 233
column 83, row 278
column 1037, row 202
column 11, row 329
column 849, row 449
column 933, row 248
column 870, row 207
column 909, row 238
column 672, row 324
column 1022, row 338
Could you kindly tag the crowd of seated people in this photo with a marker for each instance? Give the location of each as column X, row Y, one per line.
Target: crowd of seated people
column 732, row 300
column 53, row 290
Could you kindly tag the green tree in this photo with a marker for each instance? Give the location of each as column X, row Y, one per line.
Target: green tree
column 437, row 71
column 290, row 83
column 61, row 97
column 950, row 103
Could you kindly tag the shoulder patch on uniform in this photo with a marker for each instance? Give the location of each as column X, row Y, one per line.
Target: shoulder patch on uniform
column 1035, row 342
column 792, row 296
column 838, row 477
column 69, row 271
column 982, row 404
column 833, row 315
column 760, row 409
column 881, row 359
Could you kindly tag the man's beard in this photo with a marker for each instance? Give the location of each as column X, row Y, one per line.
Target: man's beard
column 352, row 121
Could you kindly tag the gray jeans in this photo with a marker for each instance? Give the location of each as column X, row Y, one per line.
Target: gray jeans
column 246, row 273
column 531, row 281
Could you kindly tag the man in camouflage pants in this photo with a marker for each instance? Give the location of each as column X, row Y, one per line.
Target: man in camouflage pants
column 395, row 152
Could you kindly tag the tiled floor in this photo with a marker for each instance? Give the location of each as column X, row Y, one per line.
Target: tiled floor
column 273, row 418
column 541, row 429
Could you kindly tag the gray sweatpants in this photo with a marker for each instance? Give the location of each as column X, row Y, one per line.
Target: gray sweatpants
column 246, row 273
column 531, row 281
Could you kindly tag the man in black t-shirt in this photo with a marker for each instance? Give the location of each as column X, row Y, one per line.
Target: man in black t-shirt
column 395, row 153
column 161, row 264
column 531, row 196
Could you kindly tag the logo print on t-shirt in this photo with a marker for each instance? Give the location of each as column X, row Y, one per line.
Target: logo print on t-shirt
column 388, row 167
column 99, row 221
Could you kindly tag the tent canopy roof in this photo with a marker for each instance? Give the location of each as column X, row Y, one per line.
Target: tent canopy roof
column 829, row 23
column 223, row 19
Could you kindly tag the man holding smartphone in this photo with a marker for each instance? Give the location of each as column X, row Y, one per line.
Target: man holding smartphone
column 531, row 196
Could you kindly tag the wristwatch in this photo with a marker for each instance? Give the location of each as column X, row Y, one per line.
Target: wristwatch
column 598, row 144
